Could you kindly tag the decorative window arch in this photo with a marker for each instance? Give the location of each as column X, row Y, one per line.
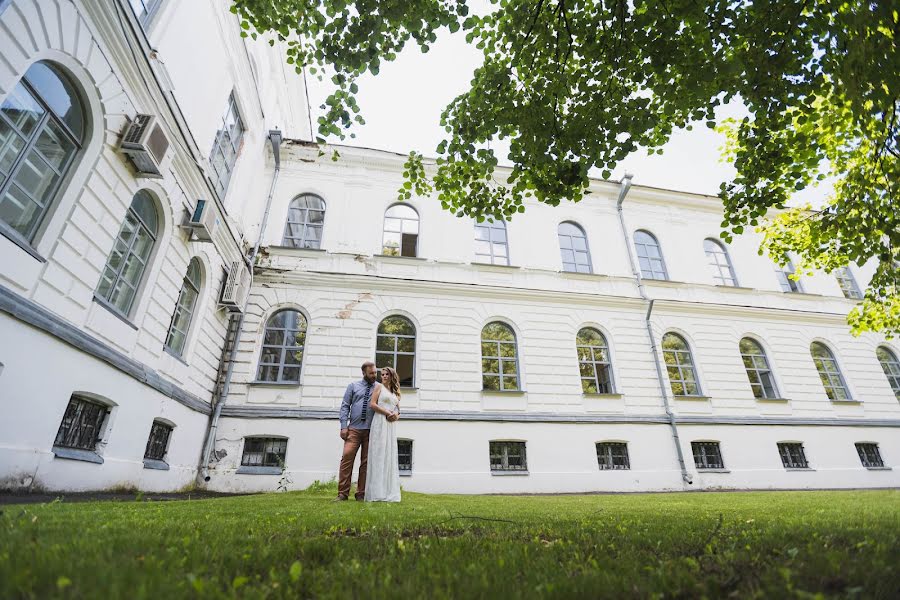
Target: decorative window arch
column 395, row 347
column 680, row 366
column 650, row 256
column 127, row 263
column 784, row 277
column 719, row 263
column 847, row 282
column 184, row 308
column 594, row 362
column 829, row 372
column 401, row 231
column 499, row 358
column 42, row 128
column 762, row 381
column 284, row 341
column 891, row 367
column 306, row 216
column 491, row 243
column 573, row 248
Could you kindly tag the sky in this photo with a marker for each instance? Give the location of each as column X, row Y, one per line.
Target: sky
column 402, row 107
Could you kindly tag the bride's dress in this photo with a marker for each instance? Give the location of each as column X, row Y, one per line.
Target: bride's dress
column 383, row 474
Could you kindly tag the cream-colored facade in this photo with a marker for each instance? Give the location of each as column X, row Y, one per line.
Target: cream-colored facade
column 182, row 62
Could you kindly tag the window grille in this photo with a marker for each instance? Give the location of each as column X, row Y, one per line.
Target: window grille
column 264, row 452
column 158, row 442
column 508, row 456
column 707, row 455
column 82, row 424
column 404, row 455
column 869, row 455
column 792, row 455
column 613, row 456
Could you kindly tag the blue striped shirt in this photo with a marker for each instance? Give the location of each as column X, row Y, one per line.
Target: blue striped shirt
column 352, row 405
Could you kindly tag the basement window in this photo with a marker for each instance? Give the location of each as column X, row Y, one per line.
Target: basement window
column 613, row 456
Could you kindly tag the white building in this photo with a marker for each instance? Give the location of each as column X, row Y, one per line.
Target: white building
column 613, row 344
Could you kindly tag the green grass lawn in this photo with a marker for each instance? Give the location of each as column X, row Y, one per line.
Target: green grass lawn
column 763, row 544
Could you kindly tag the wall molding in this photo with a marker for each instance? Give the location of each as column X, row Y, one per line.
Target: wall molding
column 37, row 316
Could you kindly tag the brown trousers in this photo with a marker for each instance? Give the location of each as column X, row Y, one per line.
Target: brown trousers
column 355, row 439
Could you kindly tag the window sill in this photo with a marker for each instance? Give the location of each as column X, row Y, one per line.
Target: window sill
column 713, row 470
column 847, row 402
column 511, row 392
column 609, row 396
column 405, row 473
column 774, row 400
column 737, row 288
column 115, row 311
column 879, row 469
column 245, row 470
column 579, row 275
column 799, row 469
column 668, row 282
column 792, row 293
column 291, row 249
column 283, row 384
column 409, row 389
column 493, row 266
column 157, row 465
column 77, row 454
column 401, row 258
column 698, row 398
column 25, row 246
column 508, row 473
column 175, row 355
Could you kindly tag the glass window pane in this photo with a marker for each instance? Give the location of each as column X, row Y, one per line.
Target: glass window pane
column 56, row 90
column 22, row 109
column 19, row 211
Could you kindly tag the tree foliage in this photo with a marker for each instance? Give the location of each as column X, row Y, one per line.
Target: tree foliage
column 576, row 85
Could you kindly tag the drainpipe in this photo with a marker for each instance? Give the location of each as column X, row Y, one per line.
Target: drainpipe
column 275, row 139
column 623, row 191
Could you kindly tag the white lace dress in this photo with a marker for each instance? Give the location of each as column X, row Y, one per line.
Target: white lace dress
column 383, row 473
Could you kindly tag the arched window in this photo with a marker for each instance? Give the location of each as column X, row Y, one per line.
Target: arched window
column 184, row 308
column 499, row 357
column 784, row 277
column 573, row 246
column 42, row 127
column 401, row 231
column 593, row 361
column 829, row 372
column 282, row 347
column 757, row 365
column 127, row 263
column 649, row 256
column 395, row 347
column 847, row 282
column 491, row 245
column 680, row 366
column 303, row 229
column 891, row 368
column 719, row 263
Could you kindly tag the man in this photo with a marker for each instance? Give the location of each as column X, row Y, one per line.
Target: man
column 356, row 419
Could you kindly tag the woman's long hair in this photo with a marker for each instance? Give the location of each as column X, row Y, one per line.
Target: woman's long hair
column 394, row 385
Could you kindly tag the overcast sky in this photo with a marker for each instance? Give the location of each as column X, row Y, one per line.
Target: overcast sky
column 402, row 108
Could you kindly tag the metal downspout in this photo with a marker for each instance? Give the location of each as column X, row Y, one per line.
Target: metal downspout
column 623, row 191
column 275, row 138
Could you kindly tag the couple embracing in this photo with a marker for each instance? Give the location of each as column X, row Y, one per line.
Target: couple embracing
column 369, row 414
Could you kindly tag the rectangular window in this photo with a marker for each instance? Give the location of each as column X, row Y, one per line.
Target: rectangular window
column 612, row 456
column 792, row 455
column 158, row 442
column 508, row 456
column 707, row 455
column 264, row 452
column 225, row 147
column 145, row 9
column 404, row 455
column 869, row 455
column 82, row 425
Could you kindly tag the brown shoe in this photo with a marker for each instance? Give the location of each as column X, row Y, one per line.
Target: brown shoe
column 360, row 498
column 339, row 498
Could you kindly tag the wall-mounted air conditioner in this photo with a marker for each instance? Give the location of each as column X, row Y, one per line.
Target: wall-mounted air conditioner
column 237, row 286
column 146, row 145
column 204, row 220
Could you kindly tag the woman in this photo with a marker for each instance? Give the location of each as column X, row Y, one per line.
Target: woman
column 383, row 478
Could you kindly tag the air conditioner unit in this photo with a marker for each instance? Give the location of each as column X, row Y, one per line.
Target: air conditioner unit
column 146, row 145
column 237, row 286
column 204, row 220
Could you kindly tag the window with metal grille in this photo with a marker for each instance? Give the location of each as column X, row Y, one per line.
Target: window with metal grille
column 264, row 452
column 792, row 455
column 869, row 455
column 612, row 456
column 401, row 231
column 762, row 382
column 82, row 424
column 784, row 277
column 891, row 368
column 593, row 362
column 395, row 346
column 491, row 244
column 282, row 349
column 829, row 372
column 847, row 282
column 508, row 456
column 707, row 455
column 573, row 247
column 42, row 127
column 225, row 148
column 680, row 366
column 650, row 256
column 184, row 308
column 499, row 358
column 306, row 217
column 719, row 263
column 158, row 442
column 404, row 455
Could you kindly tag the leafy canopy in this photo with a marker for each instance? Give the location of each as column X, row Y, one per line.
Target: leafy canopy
column 574, row 85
